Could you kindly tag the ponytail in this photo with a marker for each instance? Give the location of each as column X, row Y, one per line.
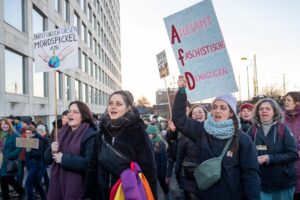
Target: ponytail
column 235, row 141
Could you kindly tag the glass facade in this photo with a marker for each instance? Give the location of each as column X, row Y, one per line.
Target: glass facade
column 14, row 72
column 13, row 13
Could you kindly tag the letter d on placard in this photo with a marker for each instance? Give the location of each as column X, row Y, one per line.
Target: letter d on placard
column 190, row 80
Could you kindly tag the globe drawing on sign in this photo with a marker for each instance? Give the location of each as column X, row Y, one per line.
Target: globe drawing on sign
column 55, row 60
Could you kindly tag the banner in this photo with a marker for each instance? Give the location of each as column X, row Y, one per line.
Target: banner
column 56, row 49
column 27, row 143
column 200, row 51
column 162, row 64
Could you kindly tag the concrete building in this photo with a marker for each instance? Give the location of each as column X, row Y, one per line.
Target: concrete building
column 24, row 92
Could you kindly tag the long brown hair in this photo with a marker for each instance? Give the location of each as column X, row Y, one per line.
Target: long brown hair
column 235, row 142
column 84, row 111
column 6, row 121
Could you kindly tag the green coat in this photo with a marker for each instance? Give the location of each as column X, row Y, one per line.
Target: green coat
column 10, row 151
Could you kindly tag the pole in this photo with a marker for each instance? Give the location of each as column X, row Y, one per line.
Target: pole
column 169, row 103
column 55, row 107
column 248, row 83
column 255, row 84
column 240, row 89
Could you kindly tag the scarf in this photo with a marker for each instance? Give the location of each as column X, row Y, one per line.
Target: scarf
column 221, row 130
column 67, row 184
column 293, row 113
column 115, row 126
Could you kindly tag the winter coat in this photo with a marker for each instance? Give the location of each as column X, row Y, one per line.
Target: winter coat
column 245, row 125
column 292, row 121
column 187, row 152
column 34, row 157
column 239, row 175
column 131, row 141
column 279, row 172
column 160, row 156
column 10, row 151
column 172, row 139
column 72, row 162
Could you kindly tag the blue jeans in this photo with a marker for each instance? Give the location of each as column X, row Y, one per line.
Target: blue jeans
column 34, row 180
column 286, row 194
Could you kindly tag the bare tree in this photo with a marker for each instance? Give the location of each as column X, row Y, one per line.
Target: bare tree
column 273, row 91
column 143, row 102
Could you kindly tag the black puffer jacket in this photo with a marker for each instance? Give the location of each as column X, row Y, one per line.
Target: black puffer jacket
column 133, row 142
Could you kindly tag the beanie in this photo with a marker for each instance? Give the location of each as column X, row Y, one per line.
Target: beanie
column 152, row 129
column 41, row 128
column 229, row 99
column 246, row 105
column 26, row 120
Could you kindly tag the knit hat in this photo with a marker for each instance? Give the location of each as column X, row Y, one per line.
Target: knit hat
column 27, row 120
column 41, row 128
column 152, row 129
column 10, row 117
column 229, row 99
column 246, row 105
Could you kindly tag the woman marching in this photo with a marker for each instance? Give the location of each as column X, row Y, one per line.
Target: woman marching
column 122, row 139
column 292, row 121
column 187, row 160
column 71, row 154
column 276, row 149
column 239, row 174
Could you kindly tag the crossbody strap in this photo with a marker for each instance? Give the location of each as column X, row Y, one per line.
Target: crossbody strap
column 117, row 152
column 226, row 147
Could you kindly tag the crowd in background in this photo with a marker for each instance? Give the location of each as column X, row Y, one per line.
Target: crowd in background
column 87, row 155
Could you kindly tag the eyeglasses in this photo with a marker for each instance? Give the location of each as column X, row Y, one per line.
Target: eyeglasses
column 73, row 111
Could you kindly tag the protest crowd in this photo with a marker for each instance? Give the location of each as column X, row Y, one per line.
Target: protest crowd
column 89, row 156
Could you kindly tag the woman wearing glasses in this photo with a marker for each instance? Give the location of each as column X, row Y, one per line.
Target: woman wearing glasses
column 70, row 154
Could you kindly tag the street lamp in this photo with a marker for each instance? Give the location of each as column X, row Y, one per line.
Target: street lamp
column 247, row 78
column 255, row 84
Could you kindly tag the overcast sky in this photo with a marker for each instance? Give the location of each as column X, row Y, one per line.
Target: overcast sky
column 270, row 29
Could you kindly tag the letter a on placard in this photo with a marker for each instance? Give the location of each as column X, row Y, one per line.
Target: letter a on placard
column 174, row 35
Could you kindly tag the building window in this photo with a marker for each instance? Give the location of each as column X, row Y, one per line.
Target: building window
column 66, row 9
column 14, row 13
column 59, row 93
column 84, row 66
column 89, row 14
column 90, row 95
column 90, row 40
column 39, row 83
column 95, row 71
column 83, row 33
column 77, row 89
column 68, row 87
column 38, row 21
column 82, row 5
column 57, row 5
column 84, row 94
column 90, row 68
column 14, row 72
column 76, row 22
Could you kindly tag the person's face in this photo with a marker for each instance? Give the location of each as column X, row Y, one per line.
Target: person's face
column 198, row 114
column 151, row 136
column 289, row 103
column 64, row 119
column 74, row 117
column 4, row 126
column 221, row 111
column 246, row 114
column 28, row 133
column 116, row 107
column 266, row 112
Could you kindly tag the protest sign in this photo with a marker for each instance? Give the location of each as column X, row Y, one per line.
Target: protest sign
column 27, row 143
column 56, row 49
column 200, row 51
column 162, row 64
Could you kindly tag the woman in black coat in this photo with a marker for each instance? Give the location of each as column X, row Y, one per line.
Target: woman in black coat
column 123, row 129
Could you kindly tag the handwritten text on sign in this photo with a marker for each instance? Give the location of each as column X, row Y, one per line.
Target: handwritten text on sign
column 200, row 51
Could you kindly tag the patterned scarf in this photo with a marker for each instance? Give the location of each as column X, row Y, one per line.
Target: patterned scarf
column 221, row 130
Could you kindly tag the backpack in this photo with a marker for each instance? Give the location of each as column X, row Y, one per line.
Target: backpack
column 281, row 128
